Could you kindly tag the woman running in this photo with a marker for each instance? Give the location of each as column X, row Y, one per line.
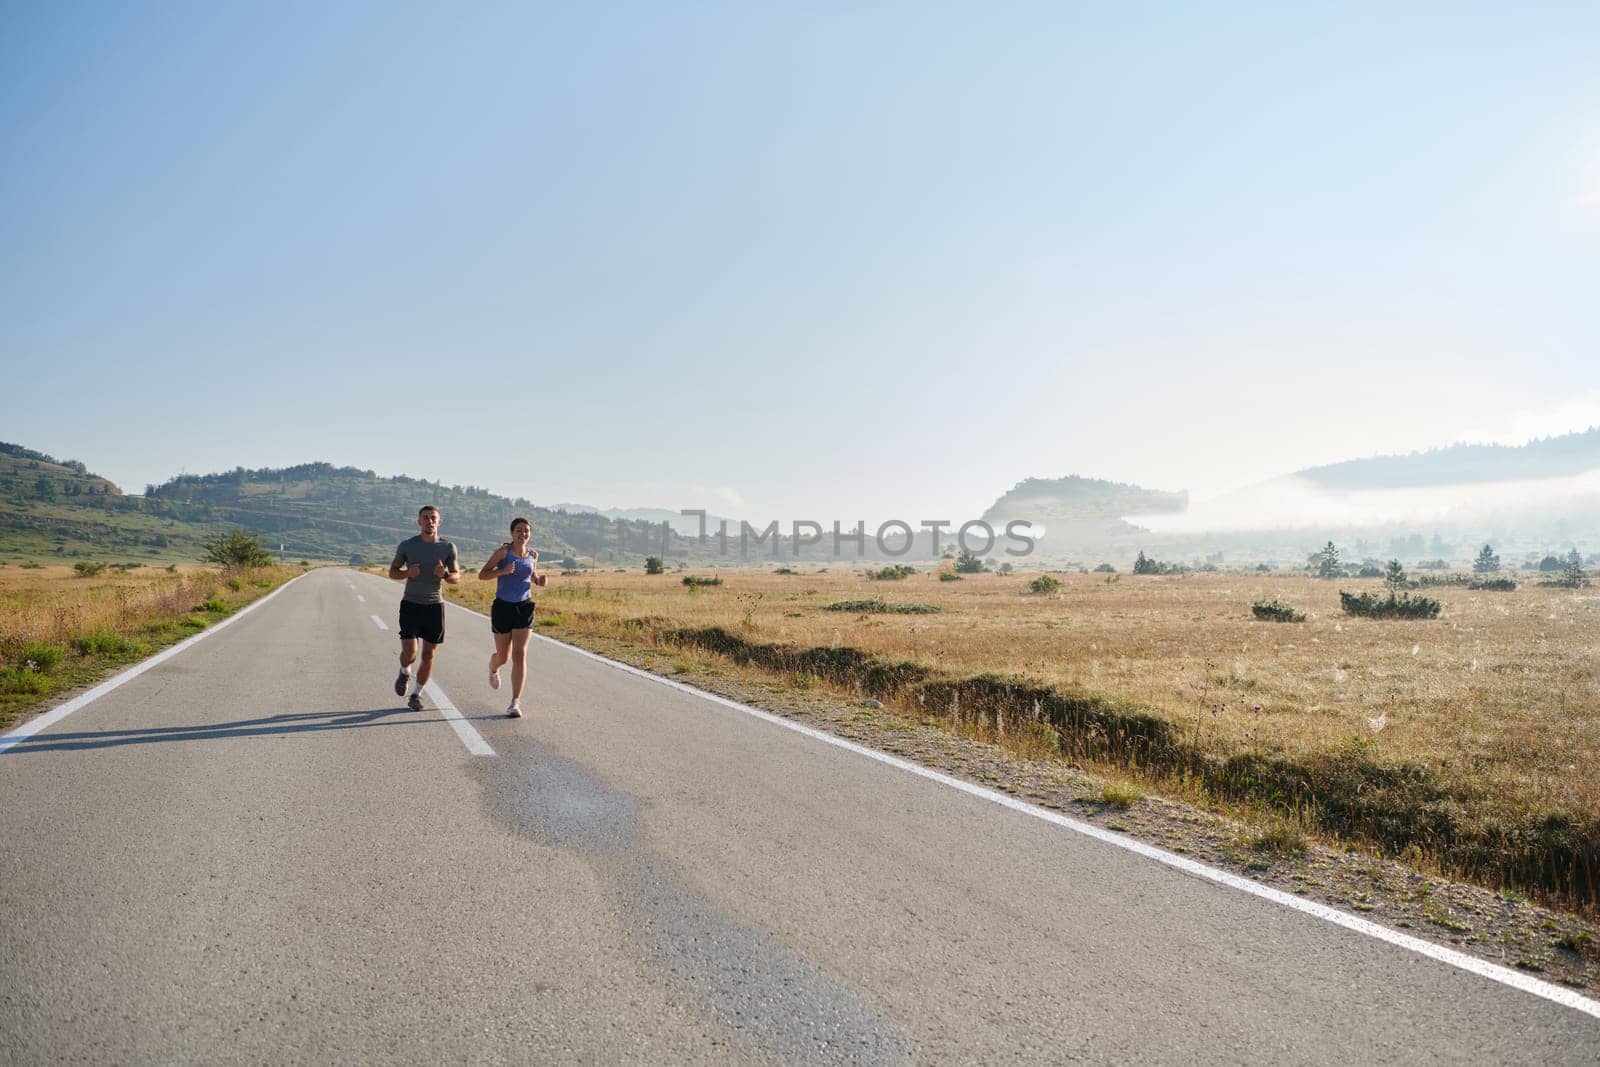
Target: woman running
column 516, row 567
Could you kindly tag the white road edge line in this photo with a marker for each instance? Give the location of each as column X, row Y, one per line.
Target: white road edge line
column 1471, row 964
column 379, row 621
column 50, row 718
column 452, row 715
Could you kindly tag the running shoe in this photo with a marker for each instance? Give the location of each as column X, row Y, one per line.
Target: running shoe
column 415, row 703
column 515, row 710
column 400, row 681
column 494, row 673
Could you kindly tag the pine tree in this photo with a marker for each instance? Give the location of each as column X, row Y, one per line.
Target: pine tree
column 1394, row 575
column 1572, row 571
column 1487, row 562
column 1328, row 562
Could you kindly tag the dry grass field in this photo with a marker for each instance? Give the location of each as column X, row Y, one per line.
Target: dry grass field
column 1469, row 741
column 59, row 628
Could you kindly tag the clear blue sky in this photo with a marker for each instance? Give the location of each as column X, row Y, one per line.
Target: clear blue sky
column 827, row 260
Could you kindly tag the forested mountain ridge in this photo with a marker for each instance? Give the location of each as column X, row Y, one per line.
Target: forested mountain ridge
column 1463, row 464
column 335, row 511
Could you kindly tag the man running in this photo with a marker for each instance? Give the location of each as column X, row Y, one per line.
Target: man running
column 422, row 562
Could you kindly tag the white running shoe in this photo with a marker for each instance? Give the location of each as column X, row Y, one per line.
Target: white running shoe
column 494, row 673
column 515, row 710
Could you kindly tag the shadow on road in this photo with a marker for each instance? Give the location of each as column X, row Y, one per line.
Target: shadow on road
column 270, row 726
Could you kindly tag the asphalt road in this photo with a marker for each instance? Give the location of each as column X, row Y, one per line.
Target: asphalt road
column 253, row 852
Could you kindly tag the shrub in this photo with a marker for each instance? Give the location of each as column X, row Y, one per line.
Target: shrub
column 785, row 570
column 694, row 581
column 1145, row 565
column 1120, row 795
column 1105, row 568
column 87, row 568
column 968, row 563
column 99, row 643
column 1280, row 840
column 21, row 680
column 1572, row 576
column 237, row 549
column 44, row 657
column 1276, row 611
column 946, row 576
column 1394, row 606
column 1044, row 584
column 214, row 605
column 653, row 565
column 1370, row 570
column 1499, row 585
column 879, row 607
column 897, row 571
column 235, row 584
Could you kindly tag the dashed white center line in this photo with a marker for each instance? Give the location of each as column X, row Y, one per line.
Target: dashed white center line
column 379, row 621
column 361, row 598
column 464, row 729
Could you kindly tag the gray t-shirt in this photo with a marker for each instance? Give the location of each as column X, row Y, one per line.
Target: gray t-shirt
column 425, row 588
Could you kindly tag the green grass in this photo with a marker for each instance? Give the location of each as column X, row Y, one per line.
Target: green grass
column 1281, row 839
column 42, row 657
column 38, row 671
column 1120, row 795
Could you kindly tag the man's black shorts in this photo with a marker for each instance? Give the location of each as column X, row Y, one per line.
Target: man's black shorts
column 506, row 615
column 422, row 620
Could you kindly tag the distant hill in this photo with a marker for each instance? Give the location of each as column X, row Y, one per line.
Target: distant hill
column 59, row 509
column 320, row 510
column 1082, row 510
column 1549, row 457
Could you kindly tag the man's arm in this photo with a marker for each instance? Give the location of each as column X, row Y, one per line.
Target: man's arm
column 398, row 569
column 452, row 573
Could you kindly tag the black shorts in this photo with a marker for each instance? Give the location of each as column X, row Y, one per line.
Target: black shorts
column 507, row 615
column 422, row 620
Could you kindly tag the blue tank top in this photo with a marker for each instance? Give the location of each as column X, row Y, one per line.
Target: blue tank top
column 518, row 585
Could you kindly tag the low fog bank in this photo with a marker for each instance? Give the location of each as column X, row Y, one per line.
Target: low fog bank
column 1296, row 504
